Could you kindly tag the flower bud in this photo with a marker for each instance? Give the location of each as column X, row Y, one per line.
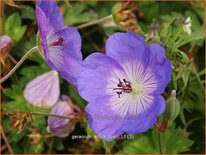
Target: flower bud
column 153, row 29
column 6, row 45
column 172, row 107
column 124, row 17
column 62, row 127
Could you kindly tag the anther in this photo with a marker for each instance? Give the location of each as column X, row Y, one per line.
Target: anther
column 123, row 87
column 59, row 42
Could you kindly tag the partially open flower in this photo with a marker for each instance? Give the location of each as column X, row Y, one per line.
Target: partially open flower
column 153, row 29
column 44, row 90
column 62, row 127
column 6, row 44
column 61, row 45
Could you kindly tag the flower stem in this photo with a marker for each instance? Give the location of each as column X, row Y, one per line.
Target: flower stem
column 94, row 22
column 160, row 142
column 6, row 141
column 44, row 114
column 19, row 63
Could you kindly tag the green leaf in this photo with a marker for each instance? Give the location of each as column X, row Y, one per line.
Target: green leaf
column 39, row 121
column 24, row 45
column 173, row 141
column 15, row 137
column 76, row 97
column 28, row 12
column 31, row 72
column 14, row 27
column 35, row 148
column 150, row 9
column 194, row 36
column 176, row 141
column 12, row 93
column 90, row 132
column 58, row 144
column 13, row 21
column 137, row 145
column 184, row 73
column 77, row 14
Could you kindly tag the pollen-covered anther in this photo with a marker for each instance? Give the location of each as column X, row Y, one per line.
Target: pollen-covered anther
column 123, row 87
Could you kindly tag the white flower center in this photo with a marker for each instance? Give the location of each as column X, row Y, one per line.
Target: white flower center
column 137, row 89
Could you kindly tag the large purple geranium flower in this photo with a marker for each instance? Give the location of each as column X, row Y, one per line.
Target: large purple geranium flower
column 124, row 86
column 61, row 45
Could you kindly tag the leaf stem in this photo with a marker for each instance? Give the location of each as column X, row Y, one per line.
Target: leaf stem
column 160, row 142
column 94, row 22
column 19, row 63
column 6, row 141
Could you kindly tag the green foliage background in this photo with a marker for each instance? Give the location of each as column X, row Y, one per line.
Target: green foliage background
column 185, row 134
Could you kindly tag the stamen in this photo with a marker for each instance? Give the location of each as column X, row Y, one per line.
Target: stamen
column 123, row 87
column 59, row 42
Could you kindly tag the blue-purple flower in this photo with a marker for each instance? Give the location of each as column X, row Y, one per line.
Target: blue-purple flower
column 43, row 91
column 60, row 44
column 62, row 127
column 124, row 86
column 5, row 43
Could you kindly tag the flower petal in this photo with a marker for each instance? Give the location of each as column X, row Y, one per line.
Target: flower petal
column 67, row 59
column 108, row 124
column 43, row 28
column 143, row 121
column 160, row 66
column 43, row 91
column 71, row 70
column 54, row 19
column 61, row 127
column 66, row 65
column 72, row 40
column 102, row 120
column 96, row 72
column 63, row 56
column 128, row 49
column 125, row 46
